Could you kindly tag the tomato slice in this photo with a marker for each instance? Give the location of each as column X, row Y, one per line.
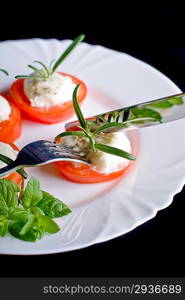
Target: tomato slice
column 54, row 114
column 15, row 177
column 85, row 174
column 81, row 173
column 11, row 129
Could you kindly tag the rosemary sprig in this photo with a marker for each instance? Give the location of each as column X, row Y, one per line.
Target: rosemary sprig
column 78, row 40
column 86, row 131
column 46, row 72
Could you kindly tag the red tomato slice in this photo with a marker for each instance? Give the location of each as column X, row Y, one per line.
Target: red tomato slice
column 11, row 129
column 85, row 174
column 50, row 115
column 15, row 177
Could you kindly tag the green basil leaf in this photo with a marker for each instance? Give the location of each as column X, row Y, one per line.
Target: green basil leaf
column 37, row 211
column 20, row 215
column 31, row 231
column 53, row 207
column 4, row 210
column 28, row 225
column 3, row 225
column 32, row 193
column 47, row 224
column 115, row 151
column 8, row 194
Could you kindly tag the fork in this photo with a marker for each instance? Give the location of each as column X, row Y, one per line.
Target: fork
column 40, row 153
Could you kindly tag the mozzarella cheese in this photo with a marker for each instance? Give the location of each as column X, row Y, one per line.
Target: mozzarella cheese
column 7, row 150
column 5, row 109
column 102, row 162
column 55, row 90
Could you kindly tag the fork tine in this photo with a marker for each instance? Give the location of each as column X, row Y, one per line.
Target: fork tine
column 42, row 152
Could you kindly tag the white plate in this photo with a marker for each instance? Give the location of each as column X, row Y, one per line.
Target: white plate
column 106, row 210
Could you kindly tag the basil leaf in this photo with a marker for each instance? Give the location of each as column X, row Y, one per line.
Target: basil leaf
column 28, row 225
column 8, row 194
column 47, row 224
column 4, row 210
column 20, row 215
column 32, row 193
column 139, row 112
column 37, row 211
column 115, row 151
column 27, row 231
column 3, row 225
column 53, row 207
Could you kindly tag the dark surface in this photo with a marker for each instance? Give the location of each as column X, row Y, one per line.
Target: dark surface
column 157, row 36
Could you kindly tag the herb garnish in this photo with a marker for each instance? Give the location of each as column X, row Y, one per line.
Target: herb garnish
column 28, row 217
column 86, row 131
column 46, row 72
column 4, row 71
column 135, row 115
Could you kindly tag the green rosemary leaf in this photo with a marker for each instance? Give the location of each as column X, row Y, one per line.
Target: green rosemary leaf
column 79, row 39
column 51, row 63
column 77, row 108
column 8, row 161
column 26, row 76
column 121, row 125
column 39, row 72
column 43, row 65
column 67, row 133
column 115, row 151
column 109, row 125
column 4, row 71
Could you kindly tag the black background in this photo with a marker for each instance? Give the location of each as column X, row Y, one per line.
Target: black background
column 155, row 34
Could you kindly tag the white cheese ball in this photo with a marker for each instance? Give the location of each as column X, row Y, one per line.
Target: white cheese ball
column 102, row 162
column 55, row 90
column 5, row 109
column 7, row 150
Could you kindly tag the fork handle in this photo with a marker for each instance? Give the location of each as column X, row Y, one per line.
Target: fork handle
column 8, row 169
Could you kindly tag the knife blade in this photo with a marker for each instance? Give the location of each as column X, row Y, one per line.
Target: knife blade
column 166, row 109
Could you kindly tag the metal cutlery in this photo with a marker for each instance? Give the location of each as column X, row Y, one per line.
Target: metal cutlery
column 168, row 110
column 40, row 153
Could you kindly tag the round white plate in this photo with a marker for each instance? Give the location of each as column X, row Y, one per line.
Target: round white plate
column 105, row 210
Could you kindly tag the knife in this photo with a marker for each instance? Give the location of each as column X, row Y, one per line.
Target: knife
column 162, row 110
